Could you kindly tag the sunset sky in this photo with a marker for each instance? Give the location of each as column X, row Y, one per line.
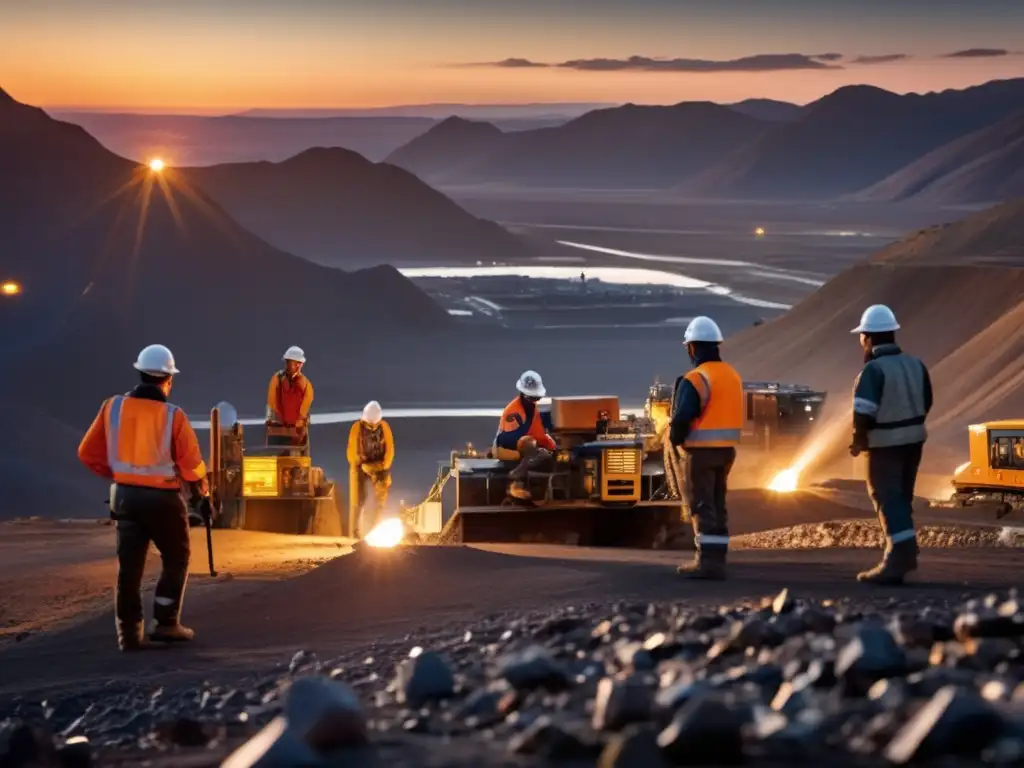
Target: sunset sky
column 206, row 56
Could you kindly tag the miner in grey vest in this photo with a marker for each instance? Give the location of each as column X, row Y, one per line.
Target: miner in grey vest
column 891, row 399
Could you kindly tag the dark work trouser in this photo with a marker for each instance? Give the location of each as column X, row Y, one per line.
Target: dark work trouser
column 145, row 515
column 892, row 474
column 535, row 460
column 360, row 485
column 705, row 480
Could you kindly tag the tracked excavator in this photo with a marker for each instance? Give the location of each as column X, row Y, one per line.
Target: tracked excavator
column 994, row 473
column 610, row 485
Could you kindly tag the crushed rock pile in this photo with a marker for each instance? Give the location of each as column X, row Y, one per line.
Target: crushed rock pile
column 865, row 534
column 782, row 681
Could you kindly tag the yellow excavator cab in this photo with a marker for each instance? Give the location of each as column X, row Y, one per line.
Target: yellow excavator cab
column 995, row 470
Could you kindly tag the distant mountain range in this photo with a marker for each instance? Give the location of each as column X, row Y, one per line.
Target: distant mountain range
column 845, row 142
column 114, row 256
column 337, row 208
column 560, row 111
column 857, row 143
column 982, row 166
column 628, row 146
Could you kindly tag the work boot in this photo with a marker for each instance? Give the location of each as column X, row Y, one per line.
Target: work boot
column 708, row 563
column 131, row 636
column 896, row 563
column 171, row 633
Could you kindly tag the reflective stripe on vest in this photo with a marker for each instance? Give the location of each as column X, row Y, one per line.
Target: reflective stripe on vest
column 163, row 469
column 714, row 428
column 900, row 417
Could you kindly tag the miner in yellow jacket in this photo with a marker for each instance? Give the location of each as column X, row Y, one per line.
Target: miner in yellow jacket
column 371, row 451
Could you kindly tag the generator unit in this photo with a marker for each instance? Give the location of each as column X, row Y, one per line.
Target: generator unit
column 272, row 486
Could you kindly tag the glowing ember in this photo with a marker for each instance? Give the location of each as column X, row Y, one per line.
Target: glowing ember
column 785, row 481
column 386, row 534
column 10, row 288
column 156, row 164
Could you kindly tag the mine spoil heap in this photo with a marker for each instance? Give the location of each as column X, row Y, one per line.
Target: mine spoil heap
column 783, row 682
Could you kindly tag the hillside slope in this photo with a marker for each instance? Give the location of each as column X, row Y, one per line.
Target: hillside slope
column 851, row 139
column 113, row 256
column 958, row 311
column 627, row 146
column 339, row 209
column 984, row 166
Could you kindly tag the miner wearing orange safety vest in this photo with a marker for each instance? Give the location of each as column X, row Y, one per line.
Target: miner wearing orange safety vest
column 147, row 448
column 520, row 420
column 290, row 395
column 707, row 418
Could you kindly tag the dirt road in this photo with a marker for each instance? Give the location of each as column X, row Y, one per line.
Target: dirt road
column 52, row 573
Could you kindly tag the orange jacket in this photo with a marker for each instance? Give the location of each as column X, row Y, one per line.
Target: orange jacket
column 288, row 402
column 356, row 456
column 139, row 440
column 518, row 420
column 720, row 422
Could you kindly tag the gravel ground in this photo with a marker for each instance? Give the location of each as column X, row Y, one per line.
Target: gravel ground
column 780, row 681
column 867, row 534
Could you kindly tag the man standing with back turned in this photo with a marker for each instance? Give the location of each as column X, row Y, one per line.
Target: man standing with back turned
column 891, row 399
column 707, row 418
column 147, row 447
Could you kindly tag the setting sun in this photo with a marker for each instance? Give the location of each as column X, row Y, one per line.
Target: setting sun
column 156, row 165
column 10, row 288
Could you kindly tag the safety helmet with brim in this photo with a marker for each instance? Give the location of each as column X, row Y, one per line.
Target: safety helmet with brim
column 703, row 329
column 877, row 318
column 296, row 354
column 156, row 360
column 530, row 384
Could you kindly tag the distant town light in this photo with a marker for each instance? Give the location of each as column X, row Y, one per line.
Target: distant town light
column 156, row 165
column 10, row 287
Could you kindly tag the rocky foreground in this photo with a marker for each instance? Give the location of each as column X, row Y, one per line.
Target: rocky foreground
column 783, row 682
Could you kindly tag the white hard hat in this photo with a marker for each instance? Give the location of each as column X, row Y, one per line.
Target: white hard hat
column 157, row 360
column 702, row 329
column 877, row 318
column 296, row 354
column 372, row 413
column 531, row 385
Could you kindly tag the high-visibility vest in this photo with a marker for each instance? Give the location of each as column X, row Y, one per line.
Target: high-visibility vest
column 721, row 398
column 140, row 435
column 290, row 395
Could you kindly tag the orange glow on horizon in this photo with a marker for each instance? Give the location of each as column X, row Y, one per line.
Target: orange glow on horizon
column 219, row 87
column 10, row 288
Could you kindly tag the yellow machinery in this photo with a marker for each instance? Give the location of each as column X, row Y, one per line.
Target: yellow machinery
column 270, row 487
column 995, row 472
column 601, row 490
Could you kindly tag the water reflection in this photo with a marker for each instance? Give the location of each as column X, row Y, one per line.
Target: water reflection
column 613, row 275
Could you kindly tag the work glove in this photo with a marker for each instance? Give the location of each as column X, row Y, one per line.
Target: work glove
column 205, row 509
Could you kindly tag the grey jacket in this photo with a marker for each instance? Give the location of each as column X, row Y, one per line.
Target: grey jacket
column 891, row 399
